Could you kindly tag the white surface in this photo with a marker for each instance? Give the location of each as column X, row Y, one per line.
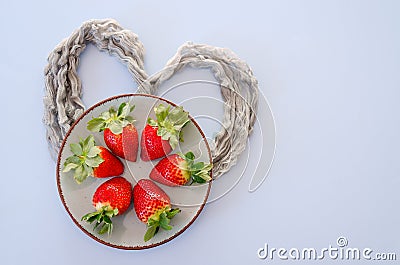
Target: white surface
column 329, row 70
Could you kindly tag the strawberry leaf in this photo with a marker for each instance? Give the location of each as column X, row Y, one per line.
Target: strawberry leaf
column 205, row 176
column 107, row 219
column 112, row 119
column 124, row 123
column 111, row 213
column 201, row 176
column 94, row 161
column 87, row 144
column 197, row 166
column 161, row 112
column 200, row 171
column 159, row 219
column 71, row 162
column 106, row 115
column 170, row 123
column 189, row 156
column 152, row 221
column 72, row 159
column 107, row 227
column 178, row 116
column 152, row 122
column 207, row 167
column 76, row 149
column 101, row 217
column 181, row 136
column 90, row 217
column 164, row 133
column 172, row 213
column 121, row 107
column 198, row 179
column 115, row 127
column 164, row 221
column 86, row 156
column 96, row 224
column 151, row 231
column 173, row 141
column 129, row 119
column 96, row 125
column 124, row 111
column 94, row 151
column 112, row 112
column 69, row 166
column 80, row 174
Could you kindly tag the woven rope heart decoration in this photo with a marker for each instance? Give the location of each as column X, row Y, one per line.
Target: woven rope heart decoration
column 63, row 104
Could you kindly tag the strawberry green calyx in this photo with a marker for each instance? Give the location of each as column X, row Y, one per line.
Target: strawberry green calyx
column 170, row 123
column 86, row 156
column 112, row 119
column 160, row 218
column 200, row 171
column 102, row 217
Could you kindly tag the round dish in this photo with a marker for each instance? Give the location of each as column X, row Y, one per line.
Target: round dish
column 128, row 231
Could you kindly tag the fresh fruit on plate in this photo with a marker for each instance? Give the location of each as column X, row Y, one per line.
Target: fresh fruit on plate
column 178, row 169
column 89, row 159
column 162, row 135
column 120, row 135
column 111, row 198
column 153, row 207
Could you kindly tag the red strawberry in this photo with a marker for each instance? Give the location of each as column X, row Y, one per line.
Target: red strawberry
column 152, row 145
column 111, row 198
column 153, row 207
column 175, row 170
column 161, row 136
column 111, row 165
column 120, row 135
column 91, row 160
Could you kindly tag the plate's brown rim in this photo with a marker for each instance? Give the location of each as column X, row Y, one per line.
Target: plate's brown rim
column 60, row 192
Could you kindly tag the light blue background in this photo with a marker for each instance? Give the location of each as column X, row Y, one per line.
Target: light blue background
column 330, row 71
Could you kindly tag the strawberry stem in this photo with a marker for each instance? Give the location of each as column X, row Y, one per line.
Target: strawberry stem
column 161, row 219
column 170, row 123
column 200, row 171
column 112, row 119
column 85, row 156
column 102, row 218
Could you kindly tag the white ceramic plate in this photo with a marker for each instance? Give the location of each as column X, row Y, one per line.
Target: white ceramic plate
column 128, row 231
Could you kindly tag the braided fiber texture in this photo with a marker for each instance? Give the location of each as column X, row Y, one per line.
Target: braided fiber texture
column 63, row 88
